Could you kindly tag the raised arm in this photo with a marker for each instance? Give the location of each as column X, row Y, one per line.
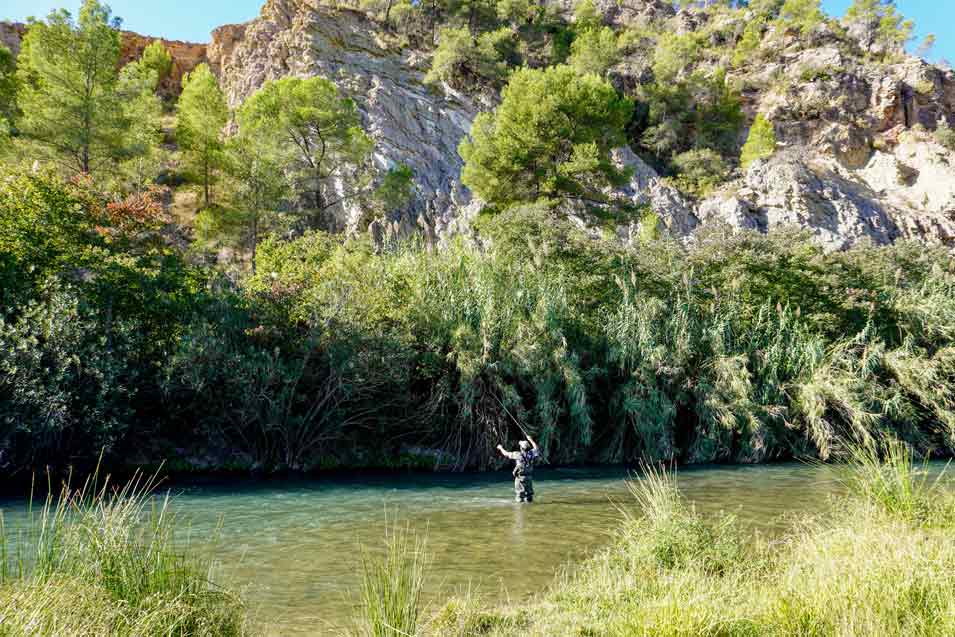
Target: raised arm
column 533, row 443
column 502, row 451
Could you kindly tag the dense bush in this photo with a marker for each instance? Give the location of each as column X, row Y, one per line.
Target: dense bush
column 744, row 347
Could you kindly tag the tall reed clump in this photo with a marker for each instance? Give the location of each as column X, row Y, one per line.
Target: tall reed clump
column 392, row 582
column 100, row 560
column 880, row 563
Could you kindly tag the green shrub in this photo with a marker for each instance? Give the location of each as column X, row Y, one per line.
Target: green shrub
column 700, row 171
column 760, row 144
column 68, row 380
column 594, row 51
column 465, row 61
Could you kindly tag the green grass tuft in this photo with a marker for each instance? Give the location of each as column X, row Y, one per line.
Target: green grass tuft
column 100, row 560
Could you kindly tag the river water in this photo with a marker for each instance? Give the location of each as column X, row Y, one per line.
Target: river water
column 291, row 546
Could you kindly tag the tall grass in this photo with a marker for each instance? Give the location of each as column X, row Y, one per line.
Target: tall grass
column 879, row 563
column 392, row 581
column 100, row 560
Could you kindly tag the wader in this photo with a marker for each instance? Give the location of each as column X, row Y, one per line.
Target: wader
column 524, row 489
column 524, row 475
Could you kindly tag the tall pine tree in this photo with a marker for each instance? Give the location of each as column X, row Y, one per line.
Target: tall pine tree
column 200, row 119
column 67, row 88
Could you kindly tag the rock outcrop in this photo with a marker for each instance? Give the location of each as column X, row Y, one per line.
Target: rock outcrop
column 858, row 162
column 858, row 156
column 11, row 34
column 413, row 123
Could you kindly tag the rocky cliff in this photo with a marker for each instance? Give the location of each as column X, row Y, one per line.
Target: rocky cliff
column 412, row 123
column 858, row 159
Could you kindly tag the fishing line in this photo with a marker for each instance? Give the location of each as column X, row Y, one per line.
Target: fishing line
column 519, row 426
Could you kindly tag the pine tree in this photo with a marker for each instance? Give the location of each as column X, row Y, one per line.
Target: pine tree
column 882, row 21
column 202, row 114
column 805, row 15
column 761, row 143
column 156, row 57
column 143, row 109
column 67, row 88
column 551, row 136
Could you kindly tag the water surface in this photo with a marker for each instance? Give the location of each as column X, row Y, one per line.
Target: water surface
column 291, row 546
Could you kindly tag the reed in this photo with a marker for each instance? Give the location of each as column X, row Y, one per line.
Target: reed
column 391, row 585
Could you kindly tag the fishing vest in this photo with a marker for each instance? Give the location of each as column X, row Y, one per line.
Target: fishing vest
column 524, row 465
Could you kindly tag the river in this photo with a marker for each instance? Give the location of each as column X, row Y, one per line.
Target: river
column 291, row 546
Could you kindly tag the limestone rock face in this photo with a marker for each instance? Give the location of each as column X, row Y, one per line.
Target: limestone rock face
column 186, row 56
column 857, row 160
column 412, row 123
column 11, row 33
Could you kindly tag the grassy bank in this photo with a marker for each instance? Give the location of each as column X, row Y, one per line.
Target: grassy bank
column 880, row 563
column 104, row 561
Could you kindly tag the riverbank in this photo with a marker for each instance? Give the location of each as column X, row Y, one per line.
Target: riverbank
column 881, row 563
column 290, row 550
column 105, row 559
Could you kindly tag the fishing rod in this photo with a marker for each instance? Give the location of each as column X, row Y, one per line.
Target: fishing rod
column 516, row 422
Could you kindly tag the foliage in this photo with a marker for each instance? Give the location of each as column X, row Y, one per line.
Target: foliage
column 142, row 108
column 672, row 55
column 519, row 12
column 750, row 41
column 594, row 51
column 700, row 171
column 464, row 61
column 392, row 585
column 804, row 15
column 882, row 21
column 157, row 59
column 551, row 136
column 89, row 301
column 945, row 136
column 201, row 116
column 67, row 380
column 8, row 91
column 258, row 169
column 761, row 142
column 692, row 113
column 67, row 88
column 315, row 138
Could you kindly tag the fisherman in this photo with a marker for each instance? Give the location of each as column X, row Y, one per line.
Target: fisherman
column 523, row 468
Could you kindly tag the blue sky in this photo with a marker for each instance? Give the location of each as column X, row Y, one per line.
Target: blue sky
column 193, row 20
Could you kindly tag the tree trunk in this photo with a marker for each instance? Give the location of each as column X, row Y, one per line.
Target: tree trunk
column 205, row 183
column 255, row 240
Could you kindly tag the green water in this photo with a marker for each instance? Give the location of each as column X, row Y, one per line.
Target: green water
column 291, row 545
